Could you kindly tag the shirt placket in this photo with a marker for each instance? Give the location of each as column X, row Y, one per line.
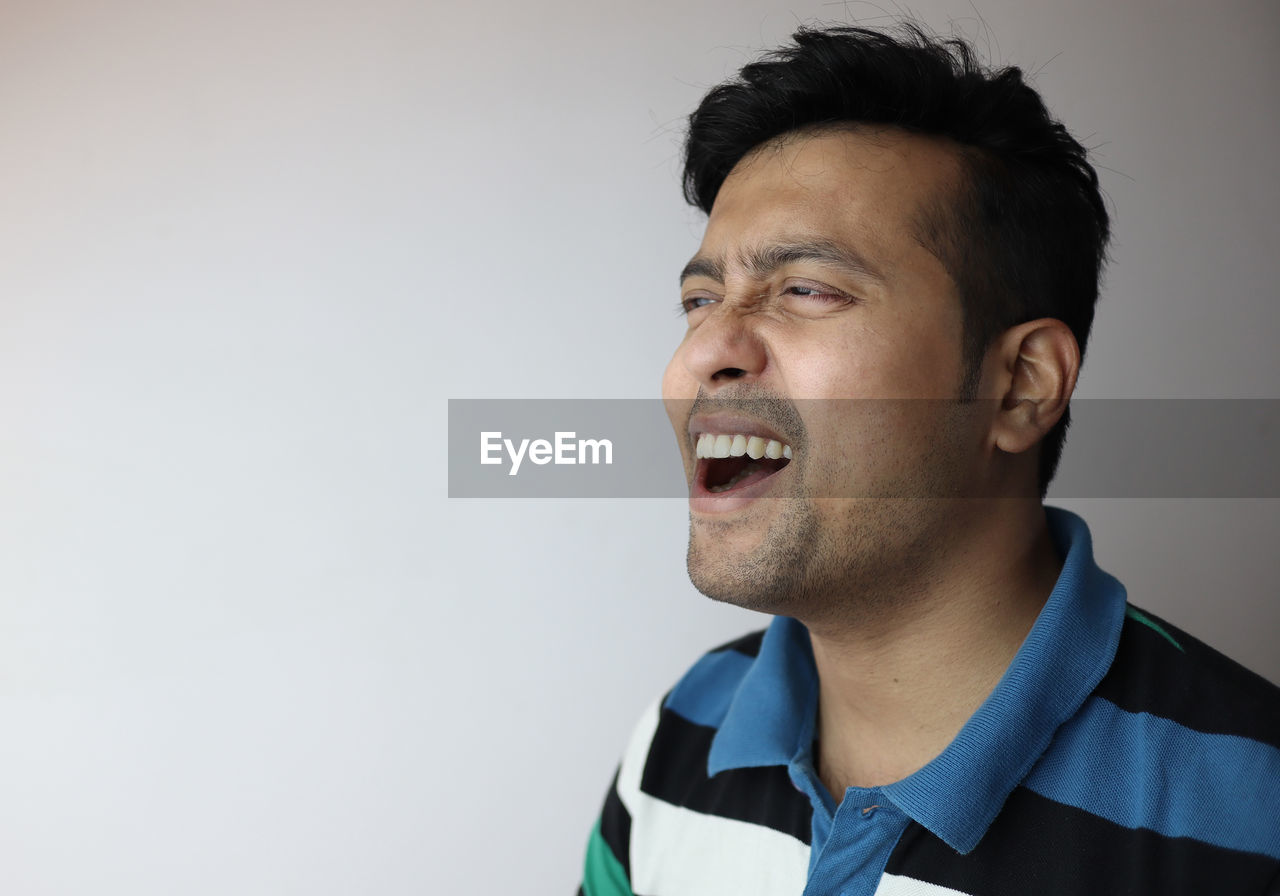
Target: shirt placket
column 851, row 842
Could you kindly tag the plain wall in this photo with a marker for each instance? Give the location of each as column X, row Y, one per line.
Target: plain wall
column 247, row 253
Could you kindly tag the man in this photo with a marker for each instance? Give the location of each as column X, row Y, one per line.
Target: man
column 886, row 319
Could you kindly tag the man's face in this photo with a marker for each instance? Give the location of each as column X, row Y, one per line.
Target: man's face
column 811, row 286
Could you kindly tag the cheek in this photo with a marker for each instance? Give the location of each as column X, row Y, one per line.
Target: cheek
column 933, row 364
column 900, row 359
column 669, row 383
column 678, row 392
column 856, row 441
column 839, row 372
column 677, row 382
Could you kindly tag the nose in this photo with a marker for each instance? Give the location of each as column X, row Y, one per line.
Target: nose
column 724, row 348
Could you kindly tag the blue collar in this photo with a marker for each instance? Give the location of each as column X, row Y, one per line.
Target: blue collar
column 956, row 796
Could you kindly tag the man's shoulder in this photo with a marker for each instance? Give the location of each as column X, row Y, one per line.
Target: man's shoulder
column 1165, row 779
column 1163, row 671
column 1175, row 754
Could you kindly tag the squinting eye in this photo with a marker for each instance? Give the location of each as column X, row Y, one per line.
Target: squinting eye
column 693, row 303
column 814, row 292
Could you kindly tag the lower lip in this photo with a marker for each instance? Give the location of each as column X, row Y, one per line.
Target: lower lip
column 703, row 501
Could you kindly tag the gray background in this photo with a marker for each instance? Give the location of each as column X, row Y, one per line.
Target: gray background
column 249, row 250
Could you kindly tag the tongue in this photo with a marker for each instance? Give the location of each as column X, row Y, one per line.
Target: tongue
column 734, row 472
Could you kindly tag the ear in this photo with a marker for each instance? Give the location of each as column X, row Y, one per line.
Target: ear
column 1033, row 369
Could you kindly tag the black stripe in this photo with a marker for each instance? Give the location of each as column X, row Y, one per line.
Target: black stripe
column 1196, row 686
column 615, row 827
column 747, row 645
column 676, row 772
column 1042, row 847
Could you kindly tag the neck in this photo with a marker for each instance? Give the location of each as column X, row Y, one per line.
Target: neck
column 896, row 686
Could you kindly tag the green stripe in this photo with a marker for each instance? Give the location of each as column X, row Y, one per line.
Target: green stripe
column 604, row 874
column 1138, row 616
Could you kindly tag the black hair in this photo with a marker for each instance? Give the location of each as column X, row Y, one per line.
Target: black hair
column 1025, row 234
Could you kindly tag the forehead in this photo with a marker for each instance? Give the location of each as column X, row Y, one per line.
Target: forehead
column 866, row 187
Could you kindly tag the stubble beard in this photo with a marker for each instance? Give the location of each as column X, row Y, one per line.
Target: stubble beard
column 838, row 561
column 770, row 578
column 868, row 567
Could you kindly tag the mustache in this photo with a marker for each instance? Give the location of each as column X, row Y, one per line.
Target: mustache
column 777, row 412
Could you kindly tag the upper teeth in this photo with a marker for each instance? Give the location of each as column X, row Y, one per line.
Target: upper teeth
column 712, row 445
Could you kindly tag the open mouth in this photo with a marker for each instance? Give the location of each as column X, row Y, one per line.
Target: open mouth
column 732, row 461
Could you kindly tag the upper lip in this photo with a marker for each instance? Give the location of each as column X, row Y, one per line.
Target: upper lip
column 732, row 424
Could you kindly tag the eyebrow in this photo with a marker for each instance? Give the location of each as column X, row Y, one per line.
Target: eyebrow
column 764, row 261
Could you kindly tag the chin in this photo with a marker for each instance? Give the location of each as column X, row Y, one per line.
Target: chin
column 767, row 574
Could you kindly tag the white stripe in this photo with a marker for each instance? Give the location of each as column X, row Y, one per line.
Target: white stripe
column 893, row 885
column 679, row 852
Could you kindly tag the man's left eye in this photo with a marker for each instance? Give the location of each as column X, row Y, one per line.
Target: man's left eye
column 819, row 293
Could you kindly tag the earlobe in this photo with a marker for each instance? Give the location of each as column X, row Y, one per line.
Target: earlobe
column 1042, row 362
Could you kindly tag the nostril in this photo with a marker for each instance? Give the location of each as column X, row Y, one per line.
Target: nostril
column 729, row 373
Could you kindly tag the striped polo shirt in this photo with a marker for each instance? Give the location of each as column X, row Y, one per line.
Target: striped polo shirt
column 1116, row 755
